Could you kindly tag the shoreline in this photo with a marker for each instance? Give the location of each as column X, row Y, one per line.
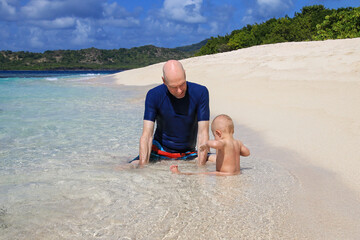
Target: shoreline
column 299, row 95
column 292, row 105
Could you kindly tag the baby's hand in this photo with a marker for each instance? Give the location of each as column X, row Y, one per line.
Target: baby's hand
column 204, row 148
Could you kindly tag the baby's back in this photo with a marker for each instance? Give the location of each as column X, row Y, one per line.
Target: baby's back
column 228, row 158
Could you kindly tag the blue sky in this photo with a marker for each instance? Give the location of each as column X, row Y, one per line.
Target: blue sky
column 39, row 25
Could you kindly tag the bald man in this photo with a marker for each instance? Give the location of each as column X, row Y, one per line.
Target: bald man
column 181, row 112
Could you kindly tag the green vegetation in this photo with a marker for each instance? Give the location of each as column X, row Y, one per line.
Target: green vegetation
column 192, row 48
column 93, row 58
column 344, row 23
column 312, row 23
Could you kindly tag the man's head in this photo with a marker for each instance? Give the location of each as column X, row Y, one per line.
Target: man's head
column 222, row 124
column 174, row 78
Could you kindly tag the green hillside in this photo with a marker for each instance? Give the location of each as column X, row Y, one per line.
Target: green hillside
column 93, row 58
column 312, row 23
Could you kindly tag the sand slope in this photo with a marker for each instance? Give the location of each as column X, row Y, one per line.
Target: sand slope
column 301, row 96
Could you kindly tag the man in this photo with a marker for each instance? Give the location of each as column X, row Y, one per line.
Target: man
column 181, row 112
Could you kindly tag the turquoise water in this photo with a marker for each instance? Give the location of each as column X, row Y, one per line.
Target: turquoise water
column 45, row 120
column 62, row 138
column 55, row 128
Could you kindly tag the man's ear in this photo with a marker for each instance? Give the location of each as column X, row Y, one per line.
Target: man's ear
column 163, row 79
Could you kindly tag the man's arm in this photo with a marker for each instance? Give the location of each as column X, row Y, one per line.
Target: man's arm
column 202, row 138
column 146, row 142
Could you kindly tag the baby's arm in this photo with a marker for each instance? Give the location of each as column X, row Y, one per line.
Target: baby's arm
column 175, row 169
column 212, row 144
column 244, row 151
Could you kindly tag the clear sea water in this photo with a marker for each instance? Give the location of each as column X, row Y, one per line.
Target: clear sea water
column 56, row 131
column 62, row 139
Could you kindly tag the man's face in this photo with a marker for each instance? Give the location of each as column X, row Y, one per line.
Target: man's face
column 176, row 86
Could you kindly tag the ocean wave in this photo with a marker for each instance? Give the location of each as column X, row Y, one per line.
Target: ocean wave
column 51, row 79
column 90, row 74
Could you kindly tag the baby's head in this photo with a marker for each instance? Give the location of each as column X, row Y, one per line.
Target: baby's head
column 222, row 124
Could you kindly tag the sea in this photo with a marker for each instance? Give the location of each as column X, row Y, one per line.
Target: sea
column 64, row 146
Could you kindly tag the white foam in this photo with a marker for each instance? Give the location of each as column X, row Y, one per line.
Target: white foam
column 51, row 79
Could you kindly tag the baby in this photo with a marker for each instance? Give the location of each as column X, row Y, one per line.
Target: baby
column 228, row 149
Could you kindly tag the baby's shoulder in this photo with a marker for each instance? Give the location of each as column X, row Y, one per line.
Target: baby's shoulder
column 238, row 144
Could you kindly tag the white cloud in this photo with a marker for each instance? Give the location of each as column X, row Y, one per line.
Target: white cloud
column 212, row 29
column 122, row 23
column 4, row 33
column 114, row 10
column 39, row 9
column 165, row 28
column 58, row 23
column 72, row 24
column 36, row 38
column 7, row 11
column 51, row 9
column 81, row 33
column 270, row 8
column 249, row 17
column 188, row 11
column 268, row 2
column 57, row 14
column 264, row 9
column 187, row 22
column 117, row 16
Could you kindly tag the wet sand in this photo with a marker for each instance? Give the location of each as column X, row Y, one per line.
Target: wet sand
column 301, row 104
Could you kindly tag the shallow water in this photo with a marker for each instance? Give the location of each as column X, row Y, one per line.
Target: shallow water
column 95, row 201
column 61, row 142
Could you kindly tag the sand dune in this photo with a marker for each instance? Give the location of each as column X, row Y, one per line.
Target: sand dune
column 304, row 97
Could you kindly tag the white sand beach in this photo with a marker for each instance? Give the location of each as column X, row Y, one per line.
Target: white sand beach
column 300, row 96
column 297, row 107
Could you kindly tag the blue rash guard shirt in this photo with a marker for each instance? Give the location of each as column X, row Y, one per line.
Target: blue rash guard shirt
column 177, row 119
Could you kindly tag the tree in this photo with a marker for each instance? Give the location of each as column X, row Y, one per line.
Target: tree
column 213, row 45
column 340, row 24
column 242, row 39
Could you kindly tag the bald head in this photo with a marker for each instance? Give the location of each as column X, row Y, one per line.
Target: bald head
column 173, row 69
column 174, row 78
